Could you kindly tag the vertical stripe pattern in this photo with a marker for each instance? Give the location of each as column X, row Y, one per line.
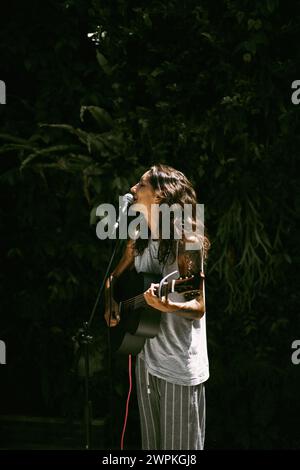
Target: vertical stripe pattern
column 172, row 416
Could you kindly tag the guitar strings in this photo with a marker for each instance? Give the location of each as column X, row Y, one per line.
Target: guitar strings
column 139, row 300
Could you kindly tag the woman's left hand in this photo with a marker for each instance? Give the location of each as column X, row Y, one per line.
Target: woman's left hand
column 163, row 304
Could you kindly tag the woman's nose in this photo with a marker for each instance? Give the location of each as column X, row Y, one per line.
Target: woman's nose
column 133, row 189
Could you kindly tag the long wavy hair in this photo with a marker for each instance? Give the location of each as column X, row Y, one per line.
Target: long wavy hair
column 171, row 187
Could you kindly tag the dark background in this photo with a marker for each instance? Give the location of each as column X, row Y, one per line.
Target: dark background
column 202, row 86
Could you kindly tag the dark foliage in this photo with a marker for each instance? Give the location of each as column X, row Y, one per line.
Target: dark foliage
column 202, row 86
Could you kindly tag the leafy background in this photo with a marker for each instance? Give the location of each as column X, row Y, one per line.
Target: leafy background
column 202, row 86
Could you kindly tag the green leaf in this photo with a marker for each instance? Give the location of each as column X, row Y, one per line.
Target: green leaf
column 147, row 20
column 102, row 61
column 208, row 36
column 100, row 115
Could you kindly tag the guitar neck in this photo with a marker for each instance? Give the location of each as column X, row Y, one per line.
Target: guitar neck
column 134, row 302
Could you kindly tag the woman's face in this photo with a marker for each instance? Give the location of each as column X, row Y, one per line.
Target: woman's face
column 144, row 193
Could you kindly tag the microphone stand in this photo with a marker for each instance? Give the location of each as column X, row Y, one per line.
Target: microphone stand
column 83, row 338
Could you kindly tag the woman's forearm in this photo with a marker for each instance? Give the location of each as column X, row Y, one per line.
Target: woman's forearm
column 193, row 309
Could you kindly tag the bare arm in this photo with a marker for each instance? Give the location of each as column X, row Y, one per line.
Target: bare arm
column 192, row 309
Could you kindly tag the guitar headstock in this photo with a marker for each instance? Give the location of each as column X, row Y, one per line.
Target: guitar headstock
column 188, row 286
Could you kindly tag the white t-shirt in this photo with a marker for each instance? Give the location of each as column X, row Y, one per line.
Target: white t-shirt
column 178, row 353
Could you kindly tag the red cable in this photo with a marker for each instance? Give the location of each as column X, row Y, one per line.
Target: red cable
column 127, row 403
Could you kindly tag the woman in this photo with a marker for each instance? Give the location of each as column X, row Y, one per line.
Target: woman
column 173, row 366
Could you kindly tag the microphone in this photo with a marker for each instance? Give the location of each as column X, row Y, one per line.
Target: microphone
column 107, row 227
column 124, row 202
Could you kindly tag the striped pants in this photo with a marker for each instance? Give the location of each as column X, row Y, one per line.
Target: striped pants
column 172, row 416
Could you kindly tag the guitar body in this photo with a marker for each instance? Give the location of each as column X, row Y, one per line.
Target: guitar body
column 138, row 320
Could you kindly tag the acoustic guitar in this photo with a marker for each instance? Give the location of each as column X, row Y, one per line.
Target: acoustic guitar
column 138, row 320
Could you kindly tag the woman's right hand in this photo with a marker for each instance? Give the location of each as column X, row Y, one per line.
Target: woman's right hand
column 112, row 318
